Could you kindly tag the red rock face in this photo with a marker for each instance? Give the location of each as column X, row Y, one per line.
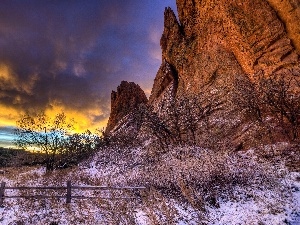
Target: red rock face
column 289, row 13
column 215, row 44
column 123, row 101
column 226, row 37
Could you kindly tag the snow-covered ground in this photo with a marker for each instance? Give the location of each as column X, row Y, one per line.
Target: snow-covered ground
column 263, row 207
column 275, row 203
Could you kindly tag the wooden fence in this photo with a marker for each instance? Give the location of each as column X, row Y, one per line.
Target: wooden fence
column 68, row 188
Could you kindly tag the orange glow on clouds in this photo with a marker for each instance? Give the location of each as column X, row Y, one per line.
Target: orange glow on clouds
column 10, row 114
column 4, row 72
column 9, row 80
column 83, row 120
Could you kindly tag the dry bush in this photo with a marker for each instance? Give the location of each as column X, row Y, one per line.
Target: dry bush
column 201, row 177
column 186, row 176
column 246, row 98
column 272, row 99
column 281, row 97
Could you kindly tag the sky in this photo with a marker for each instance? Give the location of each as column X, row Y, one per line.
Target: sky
column 68, row 55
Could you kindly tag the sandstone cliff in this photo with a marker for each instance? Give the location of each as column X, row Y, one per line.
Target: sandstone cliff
column 123, row 101
column 229, row 37
column 215, row 46
column 217, row 43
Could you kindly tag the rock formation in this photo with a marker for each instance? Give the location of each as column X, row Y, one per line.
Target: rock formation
column 123, row 101
column 229, row 37
column 214, row 45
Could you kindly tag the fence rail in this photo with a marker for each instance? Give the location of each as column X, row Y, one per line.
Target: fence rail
column 68, row 196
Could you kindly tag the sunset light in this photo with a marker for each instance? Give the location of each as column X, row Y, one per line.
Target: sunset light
column 69, row 57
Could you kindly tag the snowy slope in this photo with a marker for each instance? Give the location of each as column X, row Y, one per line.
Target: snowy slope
column 268, row 200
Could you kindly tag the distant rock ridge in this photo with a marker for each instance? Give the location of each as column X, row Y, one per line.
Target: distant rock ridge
column 123, row 101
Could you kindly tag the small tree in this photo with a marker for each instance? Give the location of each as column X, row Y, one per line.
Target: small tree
column 46, row 134
column 281, row 96
column 246, row 97
column 79, row 146
column 156, row 126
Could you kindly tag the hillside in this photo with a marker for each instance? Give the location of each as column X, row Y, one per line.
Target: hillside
column 217, row 143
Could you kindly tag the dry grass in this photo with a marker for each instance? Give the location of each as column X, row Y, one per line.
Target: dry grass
column 186, row 178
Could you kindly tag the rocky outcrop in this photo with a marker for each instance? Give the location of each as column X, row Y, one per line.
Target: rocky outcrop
column 213, row 46
column 289, row 13
column 216, row 44
column 123, row 101
column 217, row 37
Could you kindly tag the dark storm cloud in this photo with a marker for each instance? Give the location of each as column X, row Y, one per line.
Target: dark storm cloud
column 75, row 52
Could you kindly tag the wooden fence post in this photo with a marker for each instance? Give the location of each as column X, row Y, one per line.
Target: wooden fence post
column 69, row 189
column 2, row 189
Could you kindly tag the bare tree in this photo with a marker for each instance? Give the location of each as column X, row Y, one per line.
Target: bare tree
column 78, row 146
column 246, row 97
column 280, row 96
column 155, row 125
column 46, row 134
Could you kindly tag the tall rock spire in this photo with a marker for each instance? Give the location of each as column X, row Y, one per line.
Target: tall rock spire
column 172, row 33
column 123, row 101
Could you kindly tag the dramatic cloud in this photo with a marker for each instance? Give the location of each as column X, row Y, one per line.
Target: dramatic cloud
column 69, row 55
